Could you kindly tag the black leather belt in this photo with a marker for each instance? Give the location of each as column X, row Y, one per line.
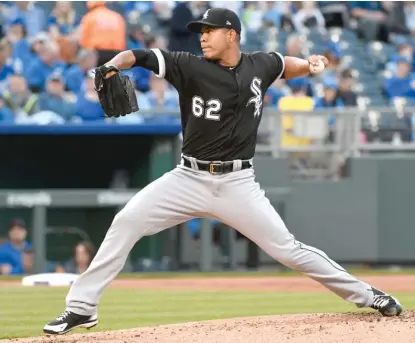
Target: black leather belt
column 217, row 167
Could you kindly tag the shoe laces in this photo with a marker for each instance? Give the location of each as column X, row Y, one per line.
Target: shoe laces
column 63, row 316
column 381, row 301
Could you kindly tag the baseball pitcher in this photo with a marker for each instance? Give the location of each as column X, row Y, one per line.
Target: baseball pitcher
column 221, row 100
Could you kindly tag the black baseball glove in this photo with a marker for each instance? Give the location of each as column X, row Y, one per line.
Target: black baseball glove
column 116, row 93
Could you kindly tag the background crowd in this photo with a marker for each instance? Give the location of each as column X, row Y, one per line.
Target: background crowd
column 49, row 49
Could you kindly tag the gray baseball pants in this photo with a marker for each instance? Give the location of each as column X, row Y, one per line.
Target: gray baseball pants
column 234, row 199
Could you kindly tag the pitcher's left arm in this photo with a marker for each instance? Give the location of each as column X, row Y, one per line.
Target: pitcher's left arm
column 296, row 67
column 278, row 66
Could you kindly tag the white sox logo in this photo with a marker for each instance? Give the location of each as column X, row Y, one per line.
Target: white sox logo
column 206, row 14
column 257, row 98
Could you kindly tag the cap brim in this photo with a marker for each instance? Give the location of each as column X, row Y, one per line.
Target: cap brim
column 196, row 26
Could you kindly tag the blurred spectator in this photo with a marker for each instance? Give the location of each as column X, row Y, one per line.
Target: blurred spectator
column 25, row 51
column 345, row 92
column 333, row 53
column 88, row 106
column 53, row 99
column 102, row 28
column 402, row 84
column 275, row 92
column 11, row 252
column 19, row 98
column 236, row 6
column 75, row 75
column 41, row 68
column 180, row 39
column 252, row 16
column 404, row 49
column 38, row 42
column 309, row 17
column 84, row 253
column 396, row 17
column 6, row 114
column 335, row 13
column 33, row 16
column 137, row 6
column 63, row 20
column 16, row 30
column 21, row 49
column 272, row 15
column 161, row 95
column 294, row 46
column 329, row 98
column 371, row 17
column 5, row 68
column 409, row 11
column 300, row 84
column 63, row 25
column 135, row 39
column 163, row 10
column 298, row 100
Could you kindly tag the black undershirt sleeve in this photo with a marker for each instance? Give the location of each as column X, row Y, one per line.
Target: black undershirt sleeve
column 147, row 59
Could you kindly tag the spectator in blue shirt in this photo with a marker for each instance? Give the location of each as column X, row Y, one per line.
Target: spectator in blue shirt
column 41, row 68
column 402, row 84
column 272, row 15
column 334, row 55
column 329, row 100
column 33, row 16
column 22, row 53
column 11, row 252
column 16, row 29
column 299, row 85
column 88, row 107
column 404, row 49
column 75, row 75
column 63, row 20
column 53, row 99
column 161, row 95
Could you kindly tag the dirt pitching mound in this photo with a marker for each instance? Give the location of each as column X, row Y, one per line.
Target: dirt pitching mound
column 307, row 328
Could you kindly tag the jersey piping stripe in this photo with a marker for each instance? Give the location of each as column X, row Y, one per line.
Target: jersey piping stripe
column 283, row 64
column 162, row 63
column 310, row 249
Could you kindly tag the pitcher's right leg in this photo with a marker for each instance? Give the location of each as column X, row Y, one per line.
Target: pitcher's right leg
column 172, row 199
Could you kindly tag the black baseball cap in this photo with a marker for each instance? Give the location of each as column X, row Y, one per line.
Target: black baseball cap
column 217, row 17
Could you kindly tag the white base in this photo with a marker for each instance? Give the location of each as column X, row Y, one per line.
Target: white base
column 49, row 279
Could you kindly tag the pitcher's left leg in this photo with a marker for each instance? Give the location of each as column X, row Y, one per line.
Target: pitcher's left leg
column 243, row 206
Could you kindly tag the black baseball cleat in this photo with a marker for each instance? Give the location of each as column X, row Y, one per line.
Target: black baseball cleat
column 68, row 321
column 386, row 304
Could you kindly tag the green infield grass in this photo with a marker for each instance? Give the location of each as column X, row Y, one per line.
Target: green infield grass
column 25, row 310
